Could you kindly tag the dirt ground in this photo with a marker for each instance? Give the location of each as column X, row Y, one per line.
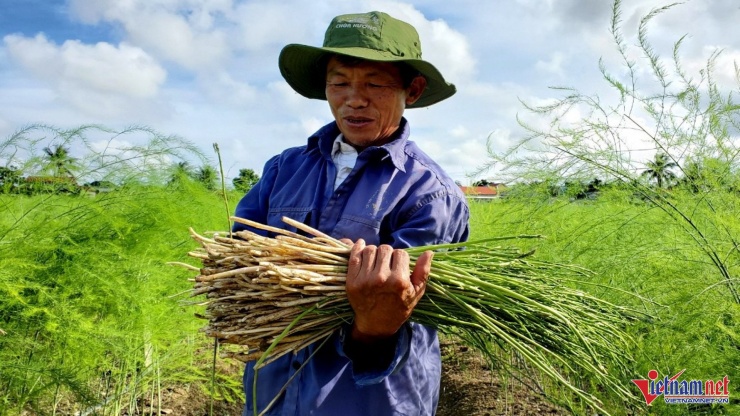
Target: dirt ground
column 468, row 388
column 188, row 401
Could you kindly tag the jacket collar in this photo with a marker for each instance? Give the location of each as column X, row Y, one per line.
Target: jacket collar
column 323, row 140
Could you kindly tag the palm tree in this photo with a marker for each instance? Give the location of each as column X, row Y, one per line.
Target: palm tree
column 10, row 178
column 694, row 175
column 180, row 171
column 660, row 169
column 59, row 161
column 246, row 180
column 207, row 176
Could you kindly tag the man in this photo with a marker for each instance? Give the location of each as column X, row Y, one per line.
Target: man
column 361, row 179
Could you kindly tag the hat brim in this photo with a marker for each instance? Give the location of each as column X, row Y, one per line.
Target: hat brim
column 300, row 66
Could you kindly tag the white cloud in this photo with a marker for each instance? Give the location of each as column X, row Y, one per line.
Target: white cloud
column 311, row 124
column 449, row 50
column 459, row 157
column 100, row 79
column 172, row 37
column 268, row 24
column 222, row 88
column 459, row 132
column 102, row 67
column 181, row 31
column 554, row 65
column 223, row 82
column 723, row 68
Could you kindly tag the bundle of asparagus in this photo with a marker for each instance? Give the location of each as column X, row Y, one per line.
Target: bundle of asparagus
column 271, row 296
column 257, row 286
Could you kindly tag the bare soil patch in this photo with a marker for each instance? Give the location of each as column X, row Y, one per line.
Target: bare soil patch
column 468, row 388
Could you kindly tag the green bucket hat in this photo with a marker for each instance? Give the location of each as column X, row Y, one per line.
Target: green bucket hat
column 374, row 36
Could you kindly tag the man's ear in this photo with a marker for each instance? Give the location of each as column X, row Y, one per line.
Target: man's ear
column 414, row 91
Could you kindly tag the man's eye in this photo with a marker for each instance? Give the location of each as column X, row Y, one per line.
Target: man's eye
column 337, row 84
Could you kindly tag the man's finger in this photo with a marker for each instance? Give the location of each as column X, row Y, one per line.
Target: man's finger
column 383, row 257
column 368, row 257
column 423, row 267
column 355, row 259
column 400, row 261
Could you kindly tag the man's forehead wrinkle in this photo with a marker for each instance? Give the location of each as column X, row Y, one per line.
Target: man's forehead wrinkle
column 341, row 70
column 374, row 74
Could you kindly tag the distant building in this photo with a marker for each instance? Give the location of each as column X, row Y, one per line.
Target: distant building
column 481, row 192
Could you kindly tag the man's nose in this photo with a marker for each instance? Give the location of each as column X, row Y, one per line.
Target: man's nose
column 357, row 96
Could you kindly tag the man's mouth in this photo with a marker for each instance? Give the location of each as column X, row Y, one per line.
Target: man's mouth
column 357, row 121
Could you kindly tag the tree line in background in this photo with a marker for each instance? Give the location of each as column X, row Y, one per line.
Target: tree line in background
column 208, row 177
column 659, row 175
column 58, row 174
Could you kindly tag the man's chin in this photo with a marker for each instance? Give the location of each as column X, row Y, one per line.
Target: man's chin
column 360, row 141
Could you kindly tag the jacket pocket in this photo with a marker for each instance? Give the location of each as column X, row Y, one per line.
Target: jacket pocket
column 275, row 217
column 354, row 228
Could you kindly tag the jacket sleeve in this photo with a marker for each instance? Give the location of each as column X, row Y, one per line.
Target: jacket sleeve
column 436, row 219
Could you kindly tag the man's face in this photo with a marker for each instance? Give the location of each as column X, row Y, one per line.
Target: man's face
column 368, row 99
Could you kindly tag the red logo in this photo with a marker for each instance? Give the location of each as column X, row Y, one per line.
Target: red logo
column 675, row 391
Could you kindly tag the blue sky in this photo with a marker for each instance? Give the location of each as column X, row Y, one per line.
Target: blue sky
column 51, row 17
column 207, row 69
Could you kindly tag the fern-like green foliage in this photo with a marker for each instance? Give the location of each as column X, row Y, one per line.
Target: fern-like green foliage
column 92, row 314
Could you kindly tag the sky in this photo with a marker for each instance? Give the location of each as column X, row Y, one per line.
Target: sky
column 206, row 70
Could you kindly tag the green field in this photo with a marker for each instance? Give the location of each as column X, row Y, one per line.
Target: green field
column 92, row 314
column 646, row 259
column 95, row 320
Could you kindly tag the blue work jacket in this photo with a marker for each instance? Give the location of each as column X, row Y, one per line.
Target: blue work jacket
column 395, row 195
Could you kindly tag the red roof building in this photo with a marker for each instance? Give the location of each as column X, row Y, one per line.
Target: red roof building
column 480, row 192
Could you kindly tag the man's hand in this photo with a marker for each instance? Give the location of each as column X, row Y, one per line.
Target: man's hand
column 381, row 290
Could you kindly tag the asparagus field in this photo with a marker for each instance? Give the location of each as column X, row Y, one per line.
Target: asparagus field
column 95, row 321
